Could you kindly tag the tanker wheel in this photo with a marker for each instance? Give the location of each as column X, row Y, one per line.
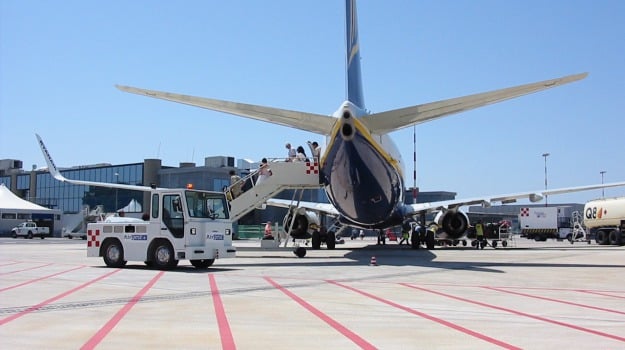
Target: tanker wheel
column 602, row 237
column 494, row 244
column 504, row 243
column 300, row 252
column 202, row 263
column 615, row 237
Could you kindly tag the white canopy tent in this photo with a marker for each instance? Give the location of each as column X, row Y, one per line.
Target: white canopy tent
column 132, row 207
column 15, row 210
column 8, row 200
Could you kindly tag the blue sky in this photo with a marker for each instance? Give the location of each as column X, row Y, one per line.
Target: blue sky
column 60, row 60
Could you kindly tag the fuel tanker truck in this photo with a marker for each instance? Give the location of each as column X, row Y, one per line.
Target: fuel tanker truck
column 606, row 219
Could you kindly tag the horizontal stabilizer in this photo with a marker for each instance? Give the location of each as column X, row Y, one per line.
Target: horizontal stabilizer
column 383, row 122
column 316, row 123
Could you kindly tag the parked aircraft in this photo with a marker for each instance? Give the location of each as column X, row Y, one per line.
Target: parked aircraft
column 361, row 168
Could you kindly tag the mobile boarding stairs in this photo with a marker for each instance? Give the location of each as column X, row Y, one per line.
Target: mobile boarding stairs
column 284, row 176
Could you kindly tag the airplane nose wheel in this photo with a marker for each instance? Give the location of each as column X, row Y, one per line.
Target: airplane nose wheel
column 300, row 252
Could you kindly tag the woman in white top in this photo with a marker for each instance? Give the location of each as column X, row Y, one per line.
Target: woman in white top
column 301, row 155
column 264, row 171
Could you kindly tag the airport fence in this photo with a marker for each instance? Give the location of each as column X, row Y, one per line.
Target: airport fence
column 254, row 231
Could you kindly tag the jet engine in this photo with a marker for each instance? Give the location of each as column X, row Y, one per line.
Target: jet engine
column 303, row 222
column 453, row 223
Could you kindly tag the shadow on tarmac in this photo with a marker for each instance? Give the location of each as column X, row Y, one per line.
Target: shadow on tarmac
column 386, row 255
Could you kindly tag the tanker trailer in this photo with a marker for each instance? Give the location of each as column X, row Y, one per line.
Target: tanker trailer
column 605, row 218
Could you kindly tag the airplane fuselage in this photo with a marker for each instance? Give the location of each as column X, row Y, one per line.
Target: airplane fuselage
column 362, row 172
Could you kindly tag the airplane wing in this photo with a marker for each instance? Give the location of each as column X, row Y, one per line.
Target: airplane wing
column 383, row 122
column 325, row 208
column 487, row 201
column 317, row 123
column 54, row 171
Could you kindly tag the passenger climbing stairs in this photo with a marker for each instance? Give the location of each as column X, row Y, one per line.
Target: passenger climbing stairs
column 284, row 176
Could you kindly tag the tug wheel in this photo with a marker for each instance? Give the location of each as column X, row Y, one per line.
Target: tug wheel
column 113, row 254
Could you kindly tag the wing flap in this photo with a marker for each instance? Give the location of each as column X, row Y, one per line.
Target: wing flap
column 383, row 122
column 316, row 123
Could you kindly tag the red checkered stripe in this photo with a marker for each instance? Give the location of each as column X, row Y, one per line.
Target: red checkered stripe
column 525, row 211
column 92, row 238
column 312, row 168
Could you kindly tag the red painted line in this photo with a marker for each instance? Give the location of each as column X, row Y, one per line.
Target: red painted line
column 108, row 327
column 602, row 294
column 30, row 268
column 327, row 319
column 518, row 313
column 46, row 302
column 227, row 341
column 430, row 317
column 12, row 263
column 520, row 288
column 555, row 300
column 39, row 279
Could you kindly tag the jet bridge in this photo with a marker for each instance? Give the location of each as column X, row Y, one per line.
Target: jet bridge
column 284, row 176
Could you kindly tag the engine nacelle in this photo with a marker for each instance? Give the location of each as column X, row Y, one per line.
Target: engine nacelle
column 304, row 223
column 453, row 223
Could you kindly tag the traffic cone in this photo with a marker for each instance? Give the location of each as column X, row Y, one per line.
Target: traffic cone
column 373, row 261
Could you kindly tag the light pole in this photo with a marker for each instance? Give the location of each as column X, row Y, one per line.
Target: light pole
column 116, row 189
column 545, row 155
column 602, row 189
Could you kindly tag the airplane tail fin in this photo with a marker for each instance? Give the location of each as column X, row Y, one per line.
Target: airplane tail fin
column 354, row 78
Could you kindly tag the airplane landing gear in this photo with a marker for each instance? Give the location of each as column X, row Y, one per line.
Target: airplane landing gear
column 300, row 252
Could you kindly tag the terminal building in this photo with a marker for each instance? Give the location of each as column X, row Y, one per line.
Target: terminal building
column 73, row 203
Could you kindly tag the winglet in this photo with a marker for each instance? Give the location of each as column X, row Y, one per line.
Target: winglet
column 54, row 171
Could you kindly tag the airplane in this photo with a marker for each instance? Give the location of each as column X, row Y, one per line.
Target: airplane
column 361, row 168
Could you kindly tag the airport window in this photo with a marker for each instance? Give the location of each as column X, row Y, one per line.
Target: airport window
column 6, row 180
column 23, row 182
column 219, row 184
column 23, row 216
column 71, row 198
column 155, row 205
column 9, row 216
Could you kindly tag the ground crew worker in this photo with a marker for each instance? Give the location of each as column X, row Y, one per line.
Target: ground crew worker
column 405, row 237
column 268, row 233
column 479, row 233
column 381, row 237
